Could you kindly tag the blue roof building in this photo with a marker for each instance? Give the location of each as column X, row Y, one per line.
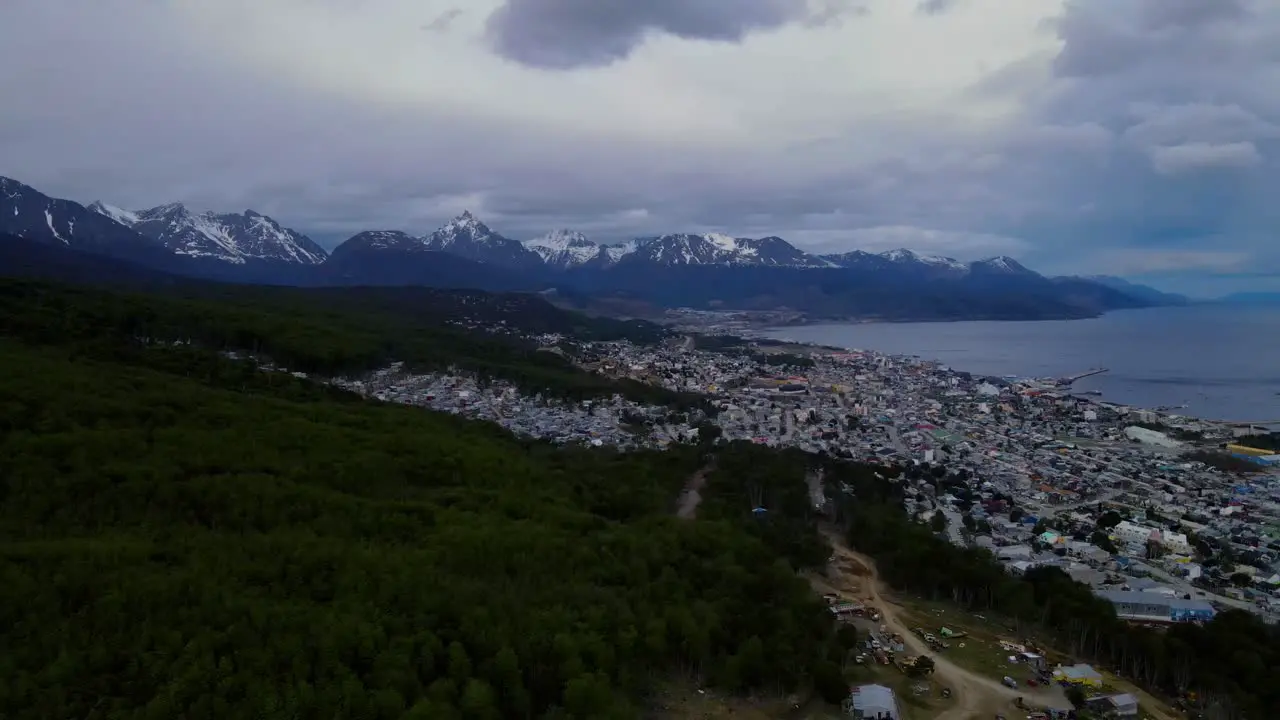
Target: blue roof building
column 1155, row 607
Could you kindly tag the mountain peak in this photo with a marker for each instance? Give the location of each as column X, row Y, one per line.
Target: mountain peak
column 1004, row 263
column 903, row 255
column 558, row 240
column 229, row 237
column 565, row 249
column 466, row 223
column 168, row 209
column 120, row 215
column 721, row 249
column 470, row 238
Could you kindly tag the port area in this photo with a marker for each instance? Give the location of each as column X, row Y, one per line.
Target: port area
column 1070, row 380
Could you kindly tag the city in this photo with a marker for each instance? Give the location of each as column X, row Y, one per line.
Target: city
column 1022, row 467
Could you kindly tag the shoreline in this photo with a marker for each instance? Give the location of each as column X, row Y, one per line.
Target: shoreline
column 811, row 321
column 1087, row 396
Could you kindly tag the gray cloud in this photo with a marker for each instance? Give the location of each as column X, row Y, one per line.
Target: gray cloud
column 1149, row 141
column 444, row 21
column 565, row 34
column 1176, row 159
column 1190, row 90
column 936, row 7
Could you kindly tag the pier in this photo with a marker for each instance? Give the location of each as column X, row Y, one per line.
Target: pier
column 1080, row 376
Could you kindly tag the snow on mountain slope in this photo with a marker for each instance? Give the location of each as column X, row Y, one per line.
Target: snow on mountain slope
column 1002, row 263
column 30, row 214
column 120, row 215
column 720, row 249
column 903, row 255
column 564, row 249
column 465, row 236
column 235, row 238
column 382, row 240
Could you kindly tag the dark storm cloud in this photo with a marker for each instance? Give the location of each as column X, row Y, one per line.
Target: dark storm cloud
column 565, row 34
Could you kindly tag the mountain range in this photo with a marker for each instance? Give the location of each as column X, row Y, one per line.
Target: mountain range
column 701, row 270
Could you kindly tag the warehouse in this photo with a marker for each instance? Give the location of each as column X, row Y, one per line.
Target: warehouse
column 873, row 702
column 1154, row 607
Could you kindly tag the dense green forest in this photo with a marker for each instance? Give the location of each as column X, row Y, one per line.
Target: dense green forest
column 185, row 535
column 330, row 332
column 231, row 546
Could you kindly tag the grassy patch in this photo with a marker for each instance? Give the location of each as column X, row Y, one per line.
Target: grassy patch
column 980, row 649
column 983, row 654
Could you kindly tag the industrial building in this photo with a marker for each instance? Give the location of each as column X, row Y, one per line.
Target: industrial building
column 1121, row 705
column 873, row 702
column 1155, row 607
column 1083, row 675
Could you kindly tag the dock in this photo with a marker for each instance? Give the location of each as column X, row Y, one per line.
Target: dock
column 1080, row 376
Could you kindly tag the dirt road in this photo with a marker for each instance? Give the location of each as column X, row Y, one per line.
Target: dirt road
column 691, row 497
column 975, row 696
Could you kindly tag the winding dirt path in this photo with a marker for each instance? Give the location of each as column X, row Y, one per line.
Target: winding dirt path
column 691, row 496
column 974, row 695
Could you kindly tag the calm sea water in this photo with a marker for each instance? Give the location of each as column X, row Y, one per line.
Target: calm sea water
column 1221, row 362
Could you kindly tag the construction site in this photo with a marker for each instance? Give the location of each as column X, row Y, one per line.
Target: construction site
column 934, row 686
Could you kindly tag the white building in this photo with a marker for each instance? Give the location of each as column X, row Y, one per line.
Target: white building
column 1150, row 437
column 1134, row 534
column 1175, row 542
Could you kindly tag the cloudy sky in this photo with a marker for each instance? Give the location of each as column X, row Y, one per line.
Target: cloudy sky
column 1130, row 137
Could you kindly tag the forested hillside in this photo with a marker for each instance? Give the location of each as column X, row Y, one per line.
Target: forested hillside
column 191, row 537
column 329, row 332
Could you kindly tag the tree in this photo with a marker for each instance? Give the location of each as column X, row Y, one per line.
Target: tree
column 1016, row 514
column 1109, row 519
column 922, row 666
column 829, row 683
column 1076, row 696
column 1100, row 539
column 938, row 523
column 1241, row 579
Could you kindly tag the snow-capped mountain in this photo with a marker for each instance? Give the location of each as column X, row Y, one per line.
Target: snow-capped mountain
column 467, row 237
column 672, row 270
column 27, row 213
column 933, row 265
column 719, row 249
column 235, row 238
column 903, row 256
column 382, row 240
column 566, row 249
column 1002, row 264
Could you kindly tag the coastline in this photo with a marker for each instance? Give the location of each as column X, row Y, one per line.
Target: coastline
column 1040, row 384
column 808, row 321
